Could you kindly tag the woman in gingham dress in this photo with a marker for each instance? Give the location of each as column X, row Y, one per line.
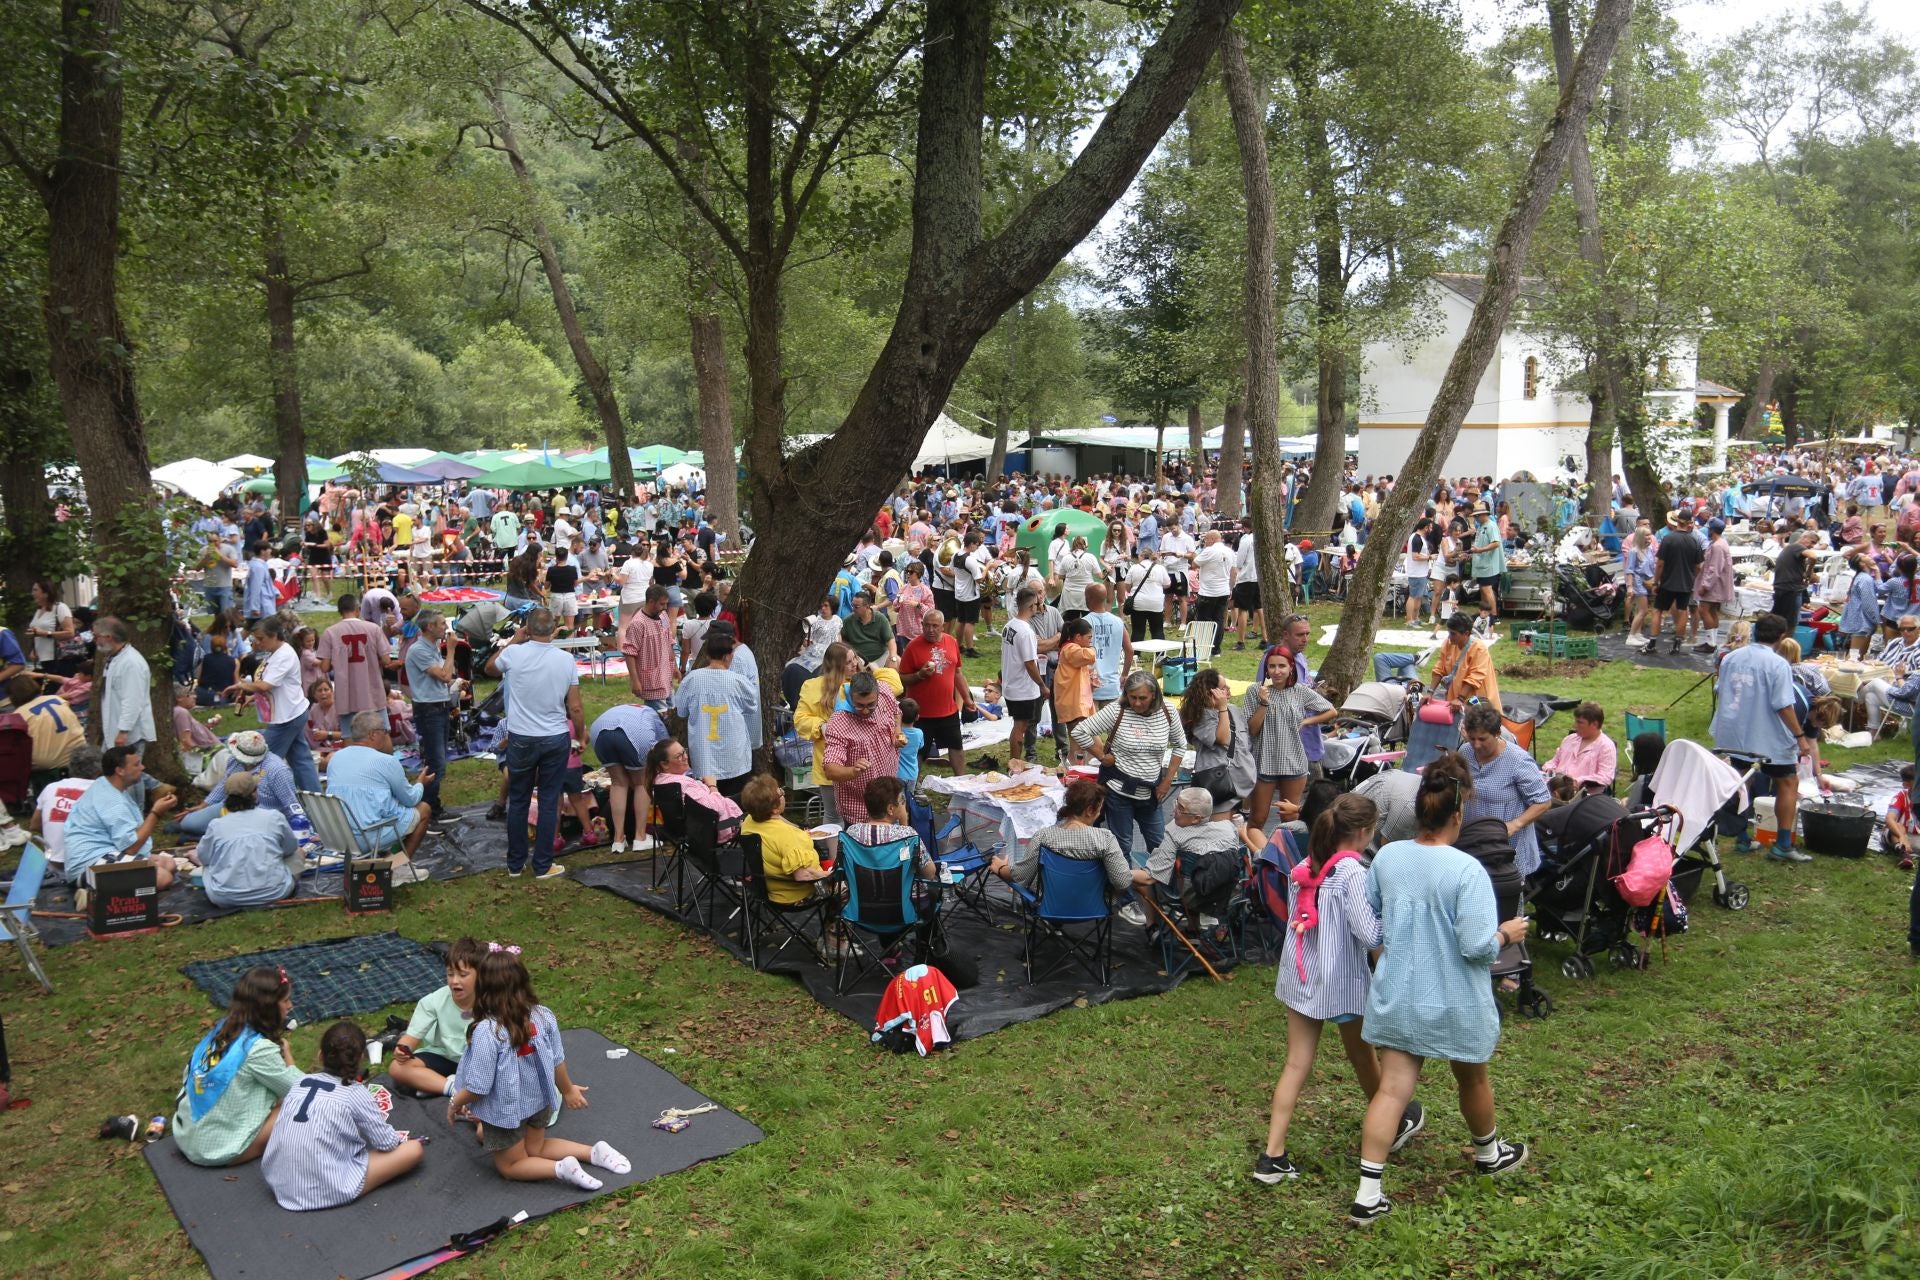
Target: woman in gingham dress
column 1277, row 709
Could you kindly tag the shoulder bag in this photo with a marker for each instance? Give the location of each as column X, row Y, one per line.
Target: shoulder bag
column 1117, row 780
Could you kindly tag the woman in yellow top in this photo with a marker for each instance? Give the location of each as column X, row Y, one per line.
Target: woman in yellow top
column 1474, row 677
column 787, row 854
column 818, row 698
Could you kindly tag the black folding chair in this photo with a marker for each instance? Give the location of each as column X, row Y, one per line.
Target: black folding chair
column 781, row 923
column 714, row 867
column 671, row 833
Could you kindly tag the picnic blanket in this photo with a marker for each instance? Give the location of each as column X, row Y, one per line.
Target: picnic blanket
column 334, row 977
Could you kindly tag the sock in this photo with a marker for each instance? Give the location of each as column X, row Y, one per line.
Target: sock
column 569, row 1171
column 449, row 1090
column 1486, row 1149
column 607, row 1158
column 1369, row 1193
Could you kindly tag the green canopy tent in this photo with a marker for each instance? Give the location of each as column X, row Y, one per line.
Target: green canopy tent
column 534, row 475
column 657, row 457
column 1036, row 533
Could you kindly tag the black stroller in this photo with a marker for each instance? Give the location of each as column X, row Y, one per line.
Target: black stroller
column 1589, row 597
column 1583, row 845
column 1487, row 840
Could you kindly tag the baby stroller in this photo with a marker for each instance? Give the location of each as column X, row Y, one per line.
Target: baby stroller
column 1343, row 757
column 1487, row 840
column 1583, row 845
column 1379, row 706
column 1589, row 597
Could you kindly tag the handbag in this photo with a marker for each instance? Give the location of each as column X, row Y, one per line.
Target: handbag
column 1217, row 779
column 1120, row 782
column 1436, row 711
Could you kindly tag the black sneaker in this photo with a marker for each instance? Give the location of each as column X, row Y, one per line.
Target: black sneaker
column 1361, row 1215
column 1704, row 648
column 1510, row 1155
column 1412, row 1121
column 1273, row 1170
column 497, row 812
column 447, row 817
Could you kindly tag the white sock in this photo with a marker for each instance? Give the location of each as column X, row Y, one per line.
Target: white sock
column 1486, row 1149
column 569, row 1171
column 1369, row 1193
column 449, row 1090
column 605, row 1157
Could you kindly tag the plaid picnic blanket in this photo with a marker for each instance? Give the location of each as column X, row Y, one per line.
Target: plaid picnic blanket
column 334, row 977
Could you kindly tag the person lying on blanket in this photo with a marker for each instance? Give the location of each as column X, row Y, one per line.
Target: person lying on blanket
column 425, row 1057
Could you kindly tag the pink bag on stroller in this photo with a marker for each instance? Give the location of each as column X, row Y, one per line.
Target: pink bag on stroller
column 1648, row 872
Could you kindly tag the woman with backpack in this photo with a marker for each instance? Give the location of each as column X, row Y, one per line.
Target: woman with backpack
column 1331, row 928
column 1432, row 995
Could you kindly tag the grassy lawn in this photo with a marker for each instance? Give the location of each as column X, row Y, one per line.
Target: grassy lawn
column 1747, row 1108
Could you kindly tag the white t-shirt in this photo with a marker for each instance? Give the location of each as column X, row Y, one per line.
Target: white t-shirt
column 282, row 671
column 1438, row 568
column 1076, row 570
column 1151, row 583
column 1246, row 561
column 1215, row 566
column 967, row 572
column 1175, row 546
column 1418, row 566
column 636, row 575
column 55, row 803
column 1018, row 646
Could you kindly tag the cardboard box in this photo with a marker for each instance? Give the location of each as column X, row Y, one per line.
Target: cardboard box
column 369, row 886
column 125, row 899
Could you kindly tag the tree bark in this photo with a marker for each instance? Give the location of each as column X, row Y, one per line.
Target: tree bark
column 29, row 518
column 1755, row 425
column 1004, row 402
column 289, row 426
column 1642, row 480
column 1314, row 513
column 1268, row 508
column 1160, row 452
column 599, row 386
column 716, row 422
column 957, row 286
column 92, row 355
column 1347, row 664
column 1196, row 439
column 1233, row 458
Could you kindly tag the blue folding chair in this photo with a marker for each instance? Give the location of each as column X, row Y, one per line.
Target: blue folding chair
column 881, row 916
column 1069, row 905
column 967, row 862
column 16, row 913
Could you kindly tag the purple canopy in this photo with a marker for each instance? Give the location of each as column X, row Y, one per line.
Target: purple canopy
column 449, row 469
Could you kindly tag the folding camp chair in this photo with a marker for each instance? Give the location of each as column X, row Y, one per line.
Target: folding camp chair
column 1637, row 725
column 16, row 913
column 1523, row 733
column 967, row 864
column 766, row 919
column 1200, row 641
column 713, row 864
column 341, row 833
column 670, row 832
column 1069, row 905
column 881, row 915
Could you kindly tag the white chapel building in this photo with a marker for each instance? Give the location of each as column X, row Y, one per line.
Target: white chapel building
column 1520, row 419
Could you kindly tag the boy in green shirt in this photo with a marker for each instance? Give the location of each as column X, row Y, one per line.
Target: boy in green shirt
column 426, row 1056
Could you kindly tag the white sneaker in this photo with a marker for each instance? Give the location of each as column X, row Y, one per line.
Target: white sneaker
column 13, row 835
column 618, row 846
column 1134, row 913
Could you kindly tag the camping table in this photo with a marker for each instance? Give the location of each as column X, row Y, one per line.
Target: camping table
column 589, row 645
column 1157, row 650
column 971, row 800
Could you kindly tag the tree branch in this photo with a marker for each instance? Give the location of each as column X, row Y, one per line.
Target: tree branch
column 37, row 177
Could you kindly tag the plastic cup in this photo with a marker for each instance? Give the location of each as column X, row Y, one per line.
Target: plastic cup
column 373, row 1052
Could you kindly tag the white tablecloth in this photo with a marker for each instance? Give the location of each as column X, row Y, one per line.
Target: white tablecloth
column 1020, row 820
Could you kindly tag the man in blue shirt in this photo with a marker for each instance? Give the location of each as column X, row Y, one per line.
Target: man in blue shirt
column 543, row 706
column 1755, row 722
column 260, row 598
column 367, row 777
column 430, row 679
column 106, row 826
column 1112, row 646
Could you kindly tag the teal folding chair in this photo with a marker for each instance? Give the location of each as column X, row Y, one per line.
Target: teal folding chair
column 16, row 913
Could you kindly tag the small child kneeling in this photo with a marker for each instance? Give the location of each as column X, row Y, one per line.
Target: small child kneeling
column 335, row 1144
column 513, row 1077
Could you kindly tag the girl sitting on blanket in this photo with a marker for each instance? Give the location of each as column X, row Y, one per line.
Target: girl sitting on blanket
column 238, row 1074
column 336, row 1145
column 513, row 1078
column 425, row 1057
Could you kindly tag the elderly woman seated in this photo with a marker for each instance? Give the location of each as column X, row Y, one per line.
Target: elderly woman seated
column 1587, row 756
column 249, row 853
column 1199, row 860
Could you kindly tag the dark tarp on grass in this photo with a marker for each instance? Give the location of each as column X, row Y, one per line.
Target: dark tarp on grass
column 336, row 977
column 1000, row 997
column 231, row 1218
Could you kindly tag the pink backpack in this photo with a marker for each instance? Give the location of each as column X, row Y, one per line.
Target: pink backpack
column 1648, row 871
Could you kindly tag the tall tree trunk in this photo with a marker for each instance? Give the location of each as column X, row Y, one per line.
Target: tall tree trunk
column 1637, row 466
column 289, row 427
column 1314, row 514
column 958, row 284
column 1004, row 402
column 1754, row 427
column 1789, row 399
column 1160, row 451
column 1347, row 664
column 716, row 422
column 1233, row 457
column 1257, row 304
column 29, row 519
column 1196, row 440
column 92, row 353
column 599, row 386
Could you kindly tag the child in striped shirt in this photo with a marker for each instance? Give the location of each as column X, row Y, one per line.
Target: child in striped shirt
column 513, row 1077
column 1323, row 975
column 333, row 1143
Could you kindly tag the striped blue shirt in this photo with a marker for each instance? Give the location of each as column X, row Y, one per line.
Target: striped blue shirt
column 1504, row 788
column 1334, row 952
column 317, row 1155
column 513, row 1087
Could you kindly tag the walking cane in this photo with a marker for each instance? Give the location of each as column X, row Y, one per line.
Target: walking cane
column 1164, row 919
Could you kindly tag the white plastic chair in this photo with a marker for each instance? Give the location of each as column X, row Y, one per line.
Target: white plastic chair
column 1200, row 640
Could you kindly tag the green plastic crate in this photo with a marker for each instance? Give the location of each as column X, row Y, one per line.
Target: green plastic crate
column 1566, row 646
column 1540, row 626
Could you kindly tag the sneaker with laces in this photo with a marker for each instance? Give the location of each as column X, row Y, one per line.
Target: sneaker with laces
column 514, row 875
column 1412, row 1121
column 618, row 846
column 1273, row 1170
column 447, row 817
column 1134, row 913
column 1704, row 648
column 554, row 872
column 1777, row 854
column 1362, row 1215
column 1511, row 1155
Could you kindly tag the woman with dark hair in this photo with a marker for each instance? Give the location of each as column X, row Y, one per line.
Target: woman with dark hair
column 51, row 624
column 342, row 1146
column 237, row 1074
column 1140, row 741
column 1507, row 784
column 1432, row 994
column 1218, row 732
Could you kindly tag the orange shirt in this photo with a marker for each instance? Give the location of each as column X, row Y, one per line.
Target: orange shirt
column 1073, row 682
column 1476, row 678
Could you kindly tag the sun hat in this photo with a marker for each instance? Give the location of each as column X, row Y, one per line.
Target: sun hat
column 248, row 747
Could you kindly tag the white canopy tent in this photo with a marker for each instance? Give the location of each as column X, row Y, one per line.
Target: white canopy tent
column 199, row 479
column 247, row 462
column 680, row 472
column 947, row 441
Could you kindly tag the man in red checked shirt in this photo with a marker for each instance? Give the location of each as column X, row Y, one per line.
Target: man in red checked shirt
column 862, row 744
column 647, row 644
column 931, row 675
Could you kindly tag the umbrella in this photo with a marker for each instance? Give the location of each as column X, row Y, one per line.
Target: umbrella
column 247, row 462
column 448, row 467
column 534, row 475
column 259, row 484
